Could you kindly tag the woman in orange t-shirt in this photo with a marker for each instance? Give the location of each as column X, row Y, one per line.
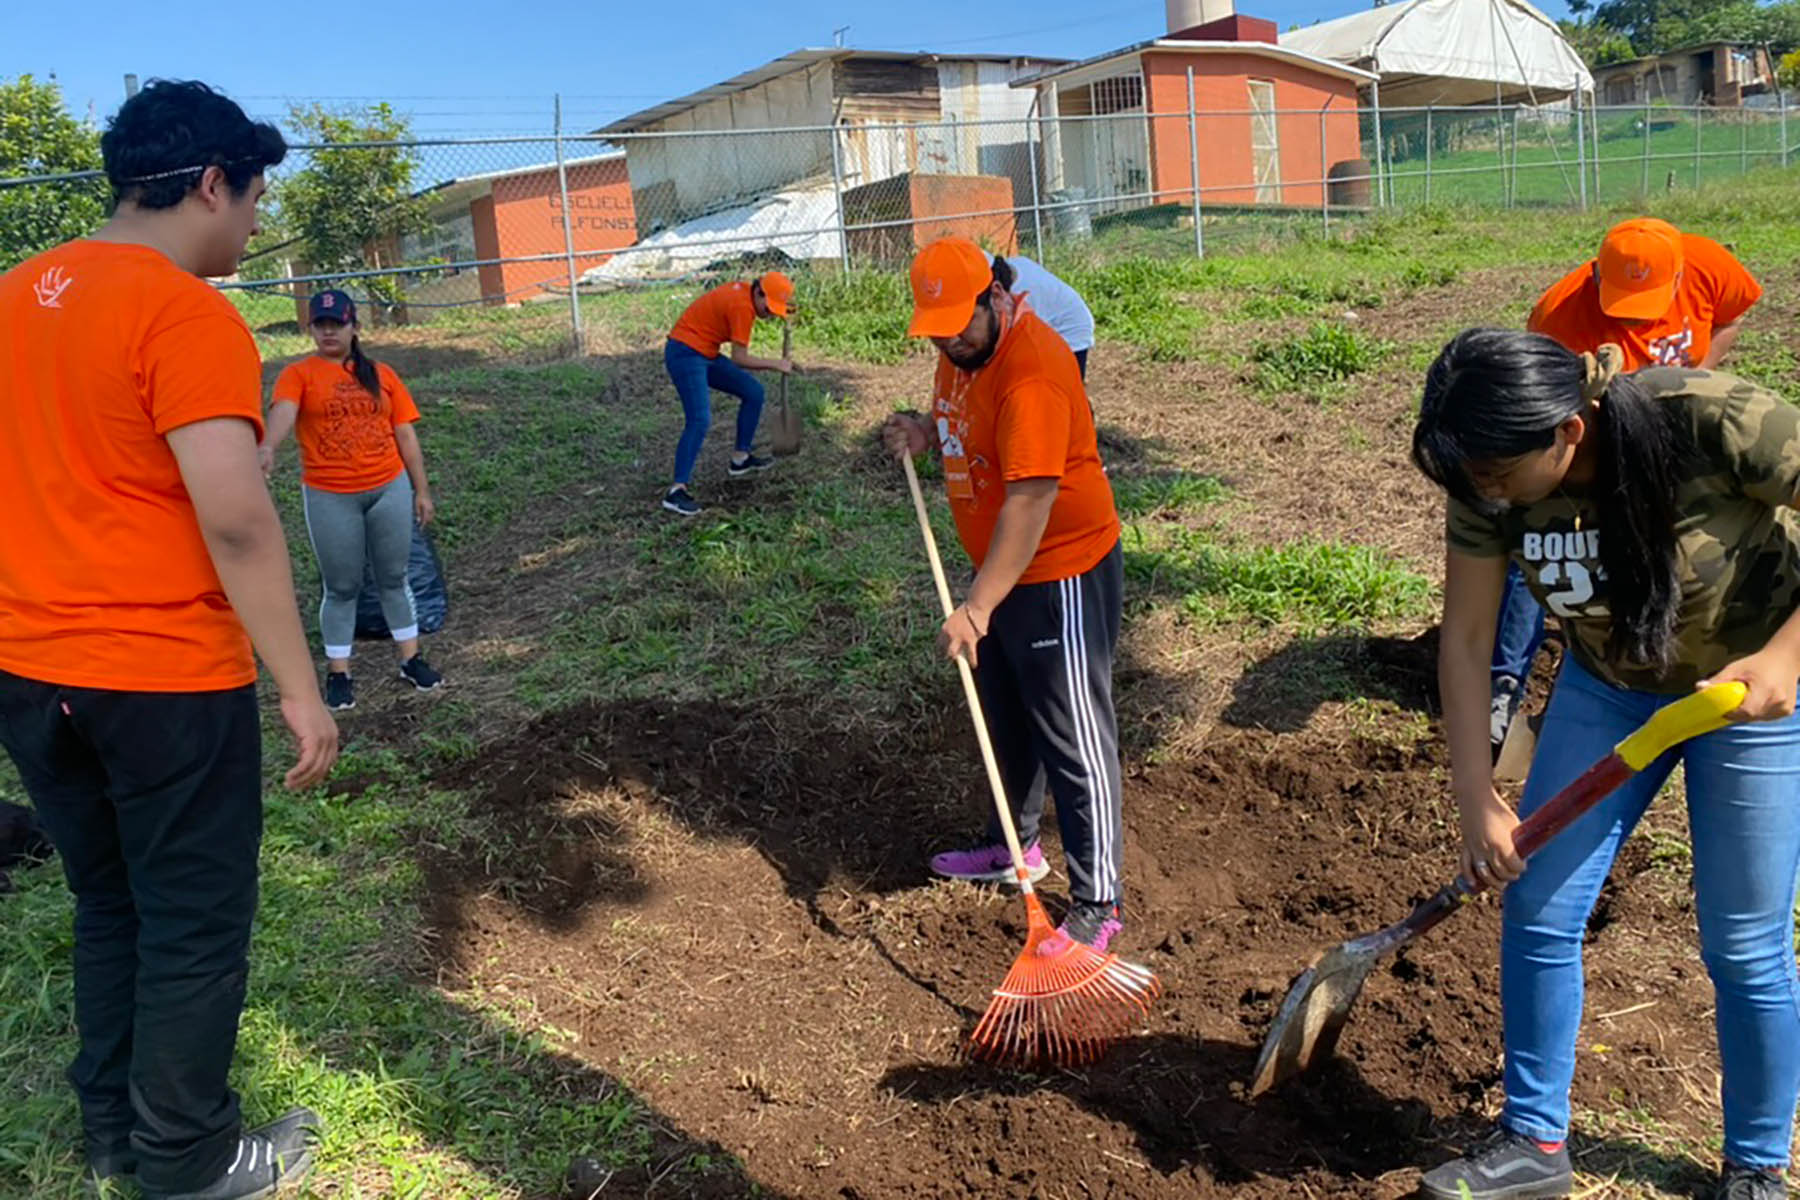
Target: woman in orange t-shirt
column 363, row 483
column 723, row 316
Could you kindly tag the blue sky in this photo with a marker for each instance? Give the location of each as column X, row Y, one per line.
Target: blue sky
column 461, row 67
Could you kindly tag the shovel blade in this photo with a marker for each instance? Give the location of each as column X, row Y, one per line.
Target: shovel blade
column 1306, row 1027
column 785, row 438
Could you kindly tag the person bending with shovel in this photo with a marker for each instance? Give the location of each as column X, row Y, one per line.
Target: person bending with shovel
column 1655, row 513
column 1035, row 513
column 722, row 316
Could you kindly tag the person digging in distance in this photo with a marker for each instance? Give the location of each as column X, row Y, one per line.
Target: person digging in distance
column 1664, row 298
column 724, row 315
column 1655, row 514
column 363, row 485
column 143, row 563
column 1040, row 625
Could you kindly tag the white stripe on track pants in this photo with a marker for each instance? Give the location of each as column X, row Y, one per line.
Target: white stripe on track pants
column 1046, row 687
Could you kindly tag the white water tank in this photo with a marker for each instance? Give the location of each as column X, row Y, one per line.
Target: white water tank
column 1185, row 14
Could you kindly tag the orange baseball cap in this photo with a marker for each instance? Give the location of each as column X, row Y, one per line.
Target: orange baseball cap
column 778, row 290
column 948, row 276
column 1638, row 268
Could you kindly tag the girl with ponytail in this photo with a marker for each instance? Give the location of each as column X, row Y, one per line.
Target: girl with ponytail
column 363, row 483
column 1654, row 514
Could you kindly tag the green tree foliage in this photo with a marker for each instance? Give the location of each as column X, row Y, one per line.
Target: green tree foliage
column 39, row 137
column 349, row 206
column 1788, row 74
column 1657, row 26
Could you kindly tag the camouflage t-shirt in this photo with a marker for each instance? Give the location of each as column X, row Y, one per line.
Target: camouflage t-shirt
column 1739, row 536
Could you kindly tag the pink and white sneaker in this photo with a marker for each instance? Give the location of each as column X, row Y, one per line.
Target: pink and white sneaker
column 988, row 864
column 1094, row 925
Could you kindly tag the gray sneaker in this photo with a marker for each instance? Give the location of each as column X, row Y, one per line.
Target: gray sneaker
column 270, row 1159
column 1507, row 1167
column 1750, row 1183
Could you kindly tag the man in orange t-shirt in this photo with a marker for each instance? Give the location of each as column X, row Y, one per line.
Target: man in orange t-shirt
column 1664, row 297
column 142, row 563
column 1035, row 513
column 722, row 317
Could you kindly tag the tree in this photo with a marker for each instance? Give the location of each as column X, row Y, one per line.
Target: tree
column 1788, row 74
column 1657, row 26
column 349, row 206
column 1597, row 44
column 39, row 137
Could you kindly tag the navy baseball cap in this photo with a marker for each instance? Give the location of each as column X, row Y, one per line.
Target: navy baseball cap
column 331, row 305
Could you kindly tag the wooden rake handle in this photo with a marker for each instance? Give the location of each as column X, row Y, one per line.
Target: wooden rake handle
column 968, row 681
column 787, row 341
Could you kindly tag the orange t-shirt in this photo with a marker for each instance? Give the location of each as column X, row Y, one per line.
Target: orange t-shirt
column 1714, row 290
column 346, row 436
column 1025, row 415
column 105, row 581
column 725, row 314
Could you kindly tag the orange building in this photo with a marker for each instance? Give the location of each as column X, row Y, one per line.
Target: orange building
column 518, row 214
column 1270, row 122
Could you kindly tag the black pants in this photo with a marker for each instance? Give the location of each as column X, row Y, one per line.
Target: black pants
column 154, row 803
column 1046, row 689
column 1081, row 361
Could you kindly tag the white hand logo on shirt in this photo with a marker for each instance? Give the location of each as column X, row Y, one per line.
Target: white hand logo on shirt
column 953, row 447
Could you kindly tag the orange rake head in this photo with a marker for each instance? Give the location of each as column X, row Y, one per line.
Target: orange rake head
column 1063, row 1008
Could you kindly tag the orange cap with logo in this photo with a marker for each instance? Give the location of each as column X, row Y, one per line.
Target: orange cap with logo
column 948, row 276
column 778, row 291
column 1638, row 268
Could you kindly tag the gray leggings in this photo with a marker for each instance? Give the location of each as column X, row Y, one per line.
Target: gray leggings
column 346, row 528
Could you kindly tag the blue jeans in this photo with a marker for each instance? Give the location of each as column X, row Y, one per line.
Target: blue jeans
column 695, row 375
column 1520, row 629
column 1743, row 798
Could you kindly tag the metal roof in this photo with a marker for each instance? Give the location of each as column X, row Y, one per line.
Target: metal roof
column 1263, row 49
column 786, row 65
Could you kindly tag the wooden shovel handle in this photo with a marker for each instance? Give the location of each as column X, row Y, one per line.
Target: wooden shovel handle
column 968, row 681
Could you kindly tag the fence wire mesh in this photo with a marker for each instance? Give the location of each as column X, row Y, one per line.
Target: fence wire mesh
column 530, row 220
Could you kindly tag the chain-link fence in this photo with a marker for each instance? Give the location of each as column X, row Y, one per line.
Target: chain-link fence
column 507, row 221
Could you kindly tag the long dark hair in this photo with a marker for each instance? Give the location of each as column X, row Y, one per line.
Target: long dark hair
column 1496, row 394
column 363, row 367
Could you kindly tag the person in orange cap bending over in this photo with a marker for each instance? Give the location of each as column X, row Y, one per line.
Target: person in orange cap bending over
column 1667, row 299
column 1040, row 625
column 692, row 357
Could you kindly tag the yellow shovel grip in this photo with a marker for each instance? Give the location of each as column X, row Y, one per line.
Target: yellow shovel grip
column 1687, row 718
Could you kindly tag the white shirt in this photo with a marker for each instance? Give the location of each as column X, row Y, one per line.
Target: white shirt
column 1056, row 303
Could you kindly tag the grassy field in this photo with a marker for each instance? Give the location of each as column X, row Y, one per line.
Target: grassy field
column 568, row 587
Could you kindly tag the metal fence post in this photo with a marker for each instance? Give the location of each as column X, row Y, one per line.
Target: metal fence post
column 1034, row 143
column 1784, row 142
column 1646, row 187
column 837, row 191
column 1324, row 175
column 1594, row 134
column 1512, row 171
column 1743, row 143
column 1194, row 165
column 1428, row 154
column 562, row 182
column 1381, row 197
column 1699, row 144
column 1580, row 151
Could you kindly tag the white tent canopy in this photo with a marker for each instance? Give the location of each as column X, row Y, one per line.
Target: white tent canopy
column 1452, row 52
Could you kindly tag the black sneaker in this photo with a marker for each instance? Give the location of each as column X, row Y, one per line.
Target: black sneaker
column 678, row 501
column 1750, row 1183
column 340, row 693
column 419, row 673
column 1508, row 1167
column 1503, row 706
column 749, row 464
column 270, row 1158
column 109, row 1165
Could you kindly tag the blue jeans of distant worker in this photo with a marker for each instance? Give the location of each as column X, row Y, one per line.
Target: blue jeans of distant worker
column 1519, row 631
column 695, row 376
column 1743, row 801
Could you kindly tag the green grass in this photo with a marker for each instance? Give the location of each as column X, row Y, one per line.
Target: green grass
column 1324, row 354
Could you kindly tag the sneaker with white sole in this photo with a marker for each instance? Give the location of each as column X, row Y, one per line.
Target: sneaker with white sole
column 270, row 1159
column 1509, row 1166
column 421, row 674
column 988, row 864
column 748, row 464
column 677, row 501
column 340, row 693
